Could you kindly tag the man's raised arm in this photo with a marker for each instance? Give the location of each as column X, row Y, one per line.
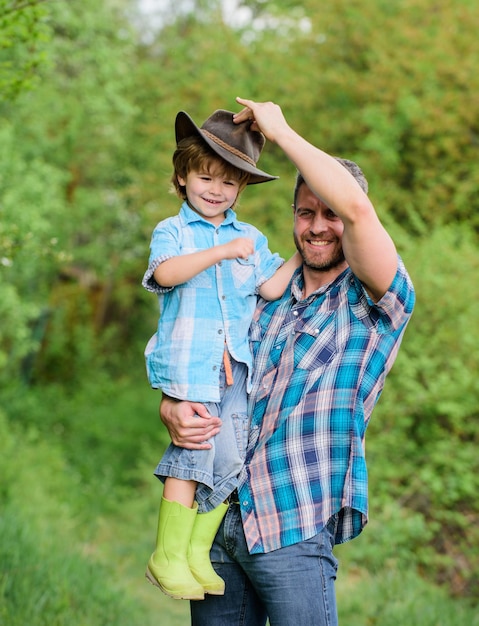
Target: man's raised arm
column 368, row 248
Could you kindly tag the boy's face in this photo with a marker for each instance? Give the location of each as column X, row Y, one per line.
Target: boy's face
column 210, row 193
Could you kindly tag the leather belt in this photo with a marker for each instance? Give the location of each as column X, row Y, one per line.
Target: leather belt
column 233, row 498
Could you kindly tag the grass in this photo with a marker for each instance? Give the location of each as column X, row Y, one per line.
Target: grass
column 78, row 511
column 394, row 597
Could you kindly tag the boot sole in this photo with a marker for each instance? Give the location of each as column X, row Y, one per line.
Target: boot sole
column 215, row 592
column 188, row 596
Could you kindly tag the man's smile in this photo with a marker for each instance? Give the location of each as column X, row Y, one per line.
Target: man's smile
column 318, row 243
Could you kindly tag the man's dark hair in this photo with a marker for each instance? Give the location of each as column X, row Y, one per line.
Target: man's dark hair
column 351, row 166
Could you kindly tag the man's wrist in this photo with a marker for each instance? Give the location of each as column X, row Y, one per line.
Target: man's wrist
column 165, row 396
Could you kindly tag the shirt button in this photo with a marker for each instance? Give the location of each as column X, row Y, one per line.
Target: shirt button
column 295, row 313
column 220, row 332
column 214, row 368
column 223, row 297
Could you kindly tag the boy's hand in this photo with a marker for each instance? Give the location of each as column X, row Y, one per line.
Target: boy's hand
column 240, row 248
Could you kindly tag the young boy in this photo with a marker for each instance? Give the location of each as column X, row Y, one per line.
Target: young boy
column 207, row 269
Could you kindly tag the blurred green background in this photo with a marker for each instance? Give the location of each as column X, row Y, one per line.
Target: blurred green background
column 88, row 95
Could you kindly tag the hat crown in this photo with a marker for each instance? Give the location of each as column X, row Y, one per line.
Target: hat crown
column 235, row 143
column 238, row 138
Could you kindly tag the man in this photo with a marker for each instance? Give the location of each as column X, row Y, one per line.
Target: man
column 321, row 355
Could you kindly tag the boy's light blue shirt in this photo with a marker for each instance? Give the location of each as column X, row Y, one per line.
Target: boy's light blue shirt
column 184, row 356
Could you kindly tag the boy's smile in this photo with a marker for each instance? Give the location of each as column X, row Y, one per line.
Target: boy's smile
column 210, row 194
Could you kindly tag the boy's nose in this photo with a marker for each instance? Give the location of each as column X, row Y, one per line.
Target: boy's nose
column 215, row 187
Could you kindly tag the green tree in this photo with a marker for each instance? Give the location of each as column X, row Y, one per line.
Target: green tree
column 24, row 37
column 393, row 84
column 424, row 436
column 85, row 162
column 69, row 160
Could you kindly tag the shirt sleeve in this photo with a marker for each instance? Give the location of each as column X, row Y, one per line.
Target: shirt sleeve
column 398, row 302
column 165, row 244
column 392, row 311
column 266, row 262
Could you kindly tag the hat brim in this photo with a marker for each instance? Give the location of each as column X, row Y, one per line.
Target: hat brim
column 185, row 127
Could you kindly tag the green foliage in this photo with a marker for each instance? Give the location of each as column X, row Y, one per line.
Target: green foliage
column 47, row 576
column 399, row 597
column 78, row 505
column 424, row 436
column 391, row 84
column 24, row 37
column 78, row 509
column 80, row 419
column 85, row 162
column 52, row 587
column 64, row 193
column 30, row 209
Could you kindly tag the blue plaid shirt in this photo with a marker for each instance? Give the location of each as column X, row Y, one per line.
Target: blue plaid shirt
column 184, row 356
column 319, row 368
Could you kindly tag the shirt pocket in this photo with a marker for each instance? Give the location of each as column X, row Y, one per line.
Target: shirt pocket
column 255, row 331
column 315, row 346
column 243, row 274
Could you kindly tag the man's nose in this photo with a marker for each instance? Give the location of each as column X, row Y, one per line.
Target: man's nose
column 318, row 223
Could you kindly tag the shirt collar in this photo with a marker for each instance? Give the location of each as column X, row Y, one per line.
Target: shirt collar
column 297, row 285
column 188, row 216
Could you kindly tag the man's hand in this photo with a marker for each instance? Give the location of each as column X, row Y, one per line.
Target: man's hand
column 189, row 423
column 266, row 117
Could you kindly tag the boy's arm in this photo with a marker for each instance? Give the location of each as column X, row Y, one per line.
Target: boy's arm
column 273, row 288
column 180, row 269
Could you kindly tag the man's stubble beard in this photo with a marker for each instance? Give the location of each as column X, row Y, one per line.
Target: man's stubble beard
column 324, row 266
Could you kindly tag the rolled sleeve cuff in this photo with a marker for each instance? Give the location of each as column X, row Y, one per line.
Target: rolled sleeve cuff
column 149, row 282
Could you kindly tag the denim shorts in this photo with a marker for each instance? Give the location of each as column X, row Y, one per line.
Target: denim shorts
column 215, row 470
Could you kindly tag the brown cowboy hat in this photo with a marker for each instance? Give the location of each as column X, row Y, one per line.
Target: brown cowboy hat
column 235, row 143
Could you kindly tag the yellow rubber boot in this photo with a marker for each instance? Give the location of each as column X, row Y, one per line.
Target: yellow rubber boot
column 204, row 531
column 168, row 566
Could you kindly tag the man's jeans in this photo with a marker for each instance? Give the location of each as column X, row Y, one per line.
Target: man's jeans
column 292, row 586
